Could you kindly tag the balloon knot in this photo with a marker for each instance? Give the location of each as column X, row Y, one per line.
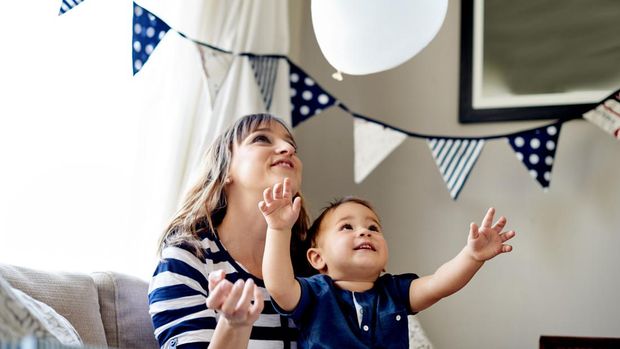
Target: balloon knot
column 337, row 75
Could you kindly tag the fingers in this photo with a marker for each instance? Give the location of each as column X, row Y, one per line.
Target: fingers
column 277, row 191
column 297, row 205
column 246, row 297
column 214, row 278
column 501, row 223
column 506, row 248
column 259, row 302
column 507, row 235
column 488, row 218
column 230, row 304
column 268, row 196
column 219, row 294
column 473, row 231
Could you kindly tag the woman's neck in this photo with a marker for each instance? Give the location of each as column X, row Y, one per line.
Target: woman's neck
column 242, row 232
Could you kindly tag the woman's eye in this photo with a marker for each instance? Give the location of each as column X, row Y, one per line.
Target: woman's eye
column 260, row 138
column 346, row 227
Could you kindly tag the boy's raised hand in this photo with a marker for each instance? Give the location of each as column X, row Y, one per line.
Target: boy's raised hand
column 278, row 207
column 487, row 241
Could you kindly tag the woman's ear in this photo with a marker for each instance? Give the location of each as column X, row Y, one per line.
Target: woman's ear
column 315, row 259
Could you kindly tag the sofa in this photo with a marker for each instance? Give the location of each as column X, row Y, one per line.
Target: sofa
column 107, row 309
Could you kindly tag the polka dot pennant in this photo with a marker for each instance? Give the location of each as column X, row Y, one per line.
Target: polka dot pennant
column 148, row 30
column 307, row 97
column 536, row 149
column 67, row 5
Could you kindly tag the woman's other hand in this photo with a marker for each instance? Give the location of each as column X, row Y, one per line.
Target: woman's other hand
column 239, row 304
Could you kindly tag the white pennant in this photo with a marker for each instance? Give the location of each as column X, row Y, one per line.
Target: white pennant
column 373, row 143
column 215, row 66
column 455, row 158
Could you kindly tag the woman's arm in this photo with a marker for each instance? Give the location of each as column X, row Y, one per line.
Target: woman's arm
column 482, row 245
column 280, row 212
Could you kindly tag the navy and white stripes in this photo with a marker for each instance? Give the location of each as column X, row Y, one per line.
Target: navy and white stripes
column 455, row 159
column 66, row 5
column 265, row 72
column 178, row 292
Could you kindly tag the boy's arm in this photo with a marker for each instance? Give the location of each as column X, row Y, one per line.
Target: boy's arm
column 280, row 212
column 278, row 270
column 482, row 245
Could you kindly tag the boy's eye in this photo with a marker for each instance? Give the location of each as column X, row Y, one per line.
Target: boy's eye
column 374, row 228
column 346, row 227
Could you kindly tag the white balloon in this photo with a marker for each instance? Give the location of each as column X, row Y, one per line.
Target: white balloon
column 361, row 37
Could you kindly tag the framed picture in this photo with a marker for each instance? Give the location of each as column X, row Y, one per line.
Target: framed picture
column 537, row 59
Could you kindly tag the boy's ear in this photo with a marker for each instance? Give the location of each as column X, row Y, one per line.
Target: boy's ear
column 315, row 259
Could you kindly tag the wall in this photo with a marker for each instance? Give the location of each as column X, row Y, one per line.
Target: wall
column 559, row 280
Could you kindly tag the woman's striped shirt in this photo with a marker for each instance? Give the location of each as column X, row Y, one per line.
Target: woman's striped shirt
column 178, row 293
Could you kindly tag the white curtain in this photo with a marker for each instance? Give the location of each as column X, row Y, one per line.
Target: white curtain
column 95, row 160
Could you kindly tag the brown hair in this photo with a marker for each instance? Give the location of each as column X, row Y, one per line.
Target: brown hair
column 204, row 205
column 313, row 232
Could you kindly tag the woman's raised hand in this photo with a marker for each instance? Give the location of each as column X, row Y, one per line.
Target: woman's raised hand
column 278, row 207
column 240, row 304
column 487, row 241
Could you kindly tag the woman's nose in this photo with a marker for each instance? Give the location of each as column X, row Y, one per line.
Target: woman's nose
column 285, row 148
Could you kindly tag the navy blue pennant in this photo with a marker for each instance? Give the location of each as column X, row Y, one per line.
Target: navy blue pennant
column 536, row 149
column 67, row 5
column 148, row 30
column 307, row 97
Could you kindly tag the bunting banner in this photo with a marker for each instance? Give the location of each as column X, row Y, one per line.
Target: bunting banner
column 374, row 140
column 536, row 149
column 265, row 71
column 606, row 115
column 215, row 66
column 373, row 143
column 455, row 159
column 148, row 30
column 307, row 97
column 67, row 5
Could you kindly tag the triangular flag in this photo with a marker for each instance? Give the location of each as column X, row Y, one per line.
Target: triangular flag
column 307, row 97
column 265, row 71
column 536, row 149
column 455, row 159
column 373, row 143
column 606, row 115
column 67, row 5
column 148, row 30
column 216, row 66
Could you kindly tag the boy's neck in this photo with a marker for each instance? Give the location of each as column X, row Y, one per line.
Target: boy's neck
column 354, row 286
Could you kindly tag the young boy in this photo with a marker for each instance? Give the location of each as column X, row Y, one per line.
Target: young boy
column 349, row 305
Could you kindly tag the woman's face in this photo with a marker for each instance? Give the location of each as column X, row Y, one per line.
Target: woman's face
column 266, row 156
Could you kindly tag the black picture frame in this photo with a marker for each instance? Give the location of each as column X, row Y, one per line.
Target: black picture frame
column 470, row 113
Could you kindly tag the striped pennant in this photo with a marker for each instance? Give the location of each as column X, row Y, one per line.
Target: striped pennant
column 67, row 5
column 215, row 66
column 455, row 159
column 606, row 115
column 265, row 72
column 536, row 150
column 307, row 97
column 148, row 30
column 373, row 143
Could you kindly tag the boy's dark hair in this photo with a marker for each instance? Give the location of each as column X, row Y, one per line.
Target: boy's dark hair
column 313, row 232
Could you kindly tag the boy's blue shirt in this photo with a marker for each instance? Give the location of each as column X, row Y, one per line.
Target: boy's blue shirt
column 326, row 315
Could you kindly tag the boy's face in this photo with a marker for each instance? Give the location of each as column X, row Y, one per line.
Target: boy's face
column 350, row 244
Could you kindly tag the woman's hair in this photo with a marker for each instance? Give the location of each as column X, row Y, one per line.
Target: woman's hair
column 313, row 232
column 204, row 206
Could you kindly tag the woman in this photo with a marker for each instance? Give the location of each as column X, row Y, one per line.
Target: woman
column 207, row 289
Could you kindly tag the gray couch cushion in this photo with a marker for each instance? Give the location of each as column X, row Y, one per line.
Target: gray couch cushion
column 73, row 296
column 125, row 311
